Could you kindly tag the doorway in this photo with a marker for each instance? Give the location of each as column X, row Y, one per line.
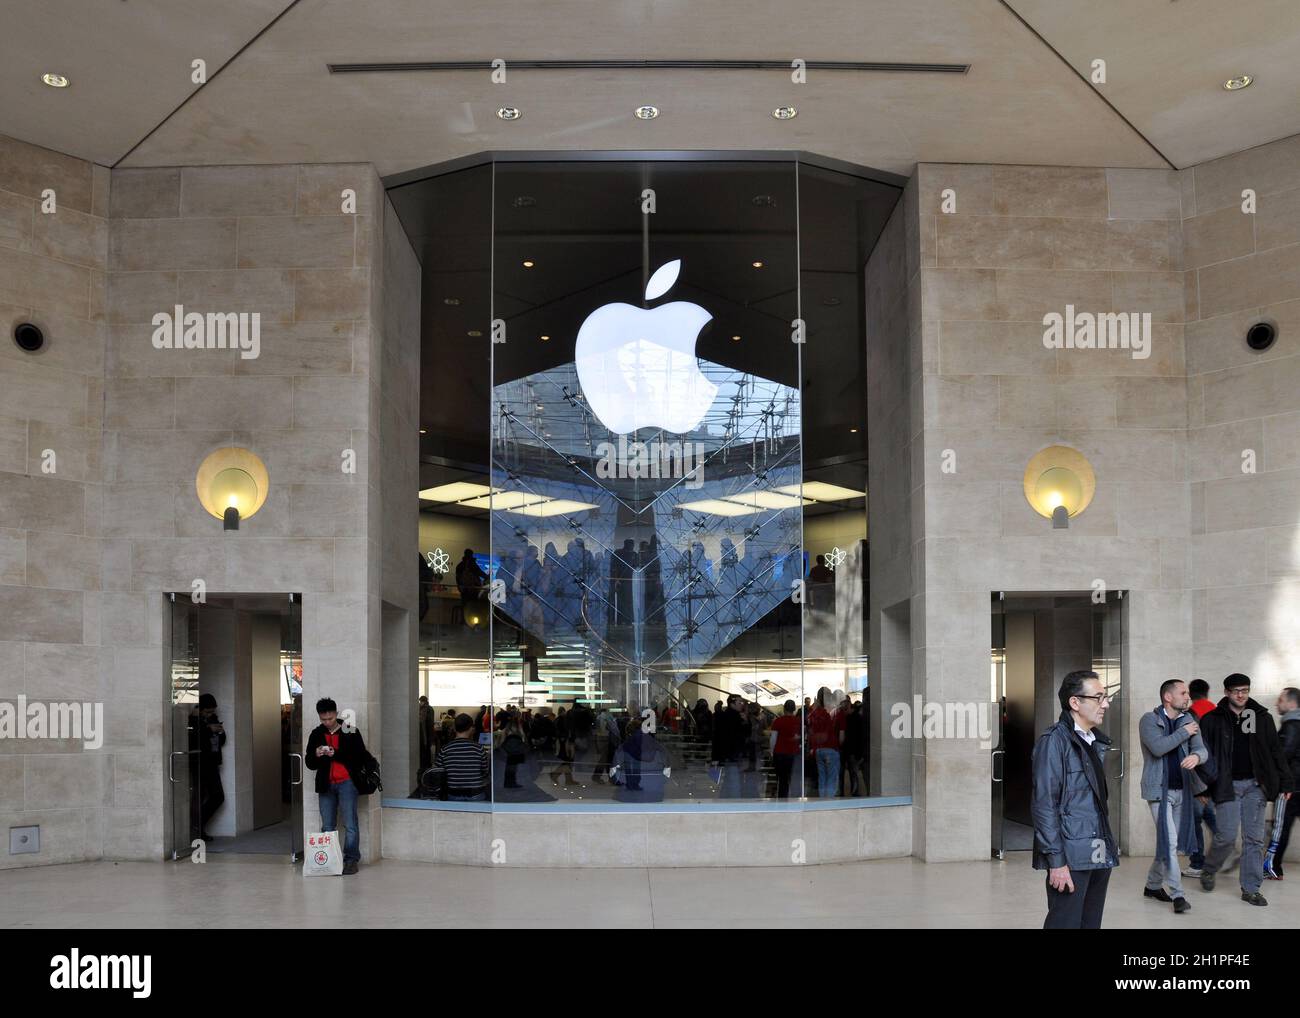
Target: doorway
column 235, row 770
column 1037, row 639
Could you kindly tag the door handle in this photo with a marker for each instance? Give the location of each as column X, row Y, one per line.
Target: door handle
column 298, row 757
column 1122, row 763
column 993, row 771
column 171, row 764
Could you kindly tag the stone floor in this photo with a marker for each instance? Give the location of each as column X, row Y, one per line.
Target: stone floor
column 259, row 891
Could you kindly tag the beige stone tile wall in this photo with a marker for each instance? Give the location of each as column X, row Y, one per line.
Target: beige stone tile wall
column 1022, row 242
column 58, row 629
column 1243, row 460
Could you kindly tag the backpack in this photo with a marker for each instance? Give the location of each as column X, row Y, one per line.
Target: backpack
column 367, row 776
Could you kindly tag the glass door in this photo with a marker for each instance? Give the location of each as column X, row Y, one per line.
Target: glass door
column 183, row 703
column 1108, row 663
column 291, row 664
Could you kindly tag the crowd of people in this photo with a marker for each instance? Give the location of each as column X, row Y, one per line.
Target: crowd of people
column 736, row 749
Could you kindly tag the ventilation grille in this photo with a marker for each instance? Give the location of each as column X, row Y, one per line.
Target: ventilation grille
column 650, row 65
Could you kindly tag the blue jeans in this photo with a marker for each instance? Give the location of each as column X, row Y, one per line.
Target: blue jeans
column 1206, row 813
column 342, row 793
column 1165, row 871
column 828, row 773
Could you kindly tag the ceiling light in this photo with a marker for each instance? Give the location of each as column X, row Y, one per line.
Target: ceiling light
column 528, row 264
column 646, row 112
column 717, row 507
column 821, row 491
column 454, row 492
column 505, row 500
column 735, row 339
column 55, row 80
column 451, row 302
column 853, row 431
column 1238, row 83
column 757, row 265
column 545, row 338
column 475, row 333
column 423, row 432
column 553, row 507
column 509, row 113
column 768, row 500
column 785, row 113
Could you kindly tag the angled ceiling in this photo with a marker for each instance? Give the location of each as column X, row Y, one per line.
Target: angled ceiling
column 1022, row 101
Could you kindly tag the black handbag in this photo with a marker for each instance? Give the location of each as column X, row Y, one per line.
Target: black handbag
column 367, row 776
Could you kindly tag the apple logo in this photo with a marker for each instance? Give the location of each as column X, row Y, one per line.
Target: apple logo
column 637, row 366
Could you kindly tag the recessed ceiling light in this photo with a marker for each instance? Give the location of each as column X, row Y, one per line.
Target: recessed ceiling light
column 853, row 431
column 545, row 338
column 646, row 112
column 423, row 432
column 1238, row 83
column 509, row 113
column 474, row 332
column 55, row 80
column 451, row 301
column 735, row 339
column 529, row 264
column 785, row 113
column 757, row 265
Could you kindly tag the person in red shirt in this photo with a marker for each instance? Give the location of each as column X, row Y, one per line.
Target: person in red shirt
column 333, row 751
column 1201, row 702
column 825, row 733
column 786, row 735
column 1202, row 812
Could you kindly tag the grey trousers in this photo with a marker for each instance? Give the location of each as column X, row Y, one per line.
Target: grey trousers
column 1165, row 872
column 1246, row 807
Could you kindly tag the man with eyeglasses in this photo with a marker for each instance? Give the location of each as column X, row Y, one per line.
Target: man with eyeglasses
column 1072, row 835
column 1171, row 751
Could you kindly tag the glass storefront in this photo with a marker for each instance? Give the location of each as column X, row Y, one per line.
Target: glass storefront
column 644, row 558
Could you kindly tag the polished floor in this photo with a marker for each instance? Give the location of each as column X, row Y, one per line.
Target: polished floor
column 260, row 891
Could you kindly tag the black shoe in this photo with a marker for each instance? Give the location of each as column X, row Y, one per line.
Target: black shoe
column 1160, row 894
column 1254, row 899
column 1181, row 905
column 349, row 868
column 1207, row 881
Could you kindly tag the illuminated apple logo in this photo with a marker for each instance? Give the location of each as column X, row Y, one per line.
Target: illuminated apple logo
column 637, row 367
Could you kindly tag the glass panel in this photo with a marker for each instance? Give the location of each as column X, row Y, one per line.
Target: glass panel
column 183, row 703
column 291, row 704
column 1108, row 663
column 646, row 463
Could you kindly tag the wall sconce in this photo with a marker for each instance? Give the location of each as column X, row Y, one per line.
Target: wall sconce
column 1059, row 483
column 232, row 484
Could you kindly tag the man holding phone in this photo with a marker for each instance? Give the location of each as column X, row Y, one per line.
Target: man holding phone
column 334, row 753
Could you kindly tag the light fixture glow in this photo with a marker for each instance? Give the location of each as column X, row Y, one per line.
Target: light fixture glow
column 821, row 491
column 509, row 113
column 785, row 113
column 757, row 265
column 1059, row 477
column 55, row 80
column 229, row 479
column 717, row 507
column 646, row 112
column 768, row 500
column 505, row 500
column 529, row 264
column 1238, row 83
column 455, row 491
column 552, row 507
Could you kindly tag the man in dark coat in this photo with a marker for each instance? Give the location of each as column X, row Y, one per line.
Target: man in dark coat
column 1072, row 835
column 1251, row 772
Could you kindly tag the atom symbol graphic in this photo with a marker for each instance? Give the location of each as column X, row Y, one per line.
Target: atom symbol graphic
column 836, row 556
column 439, row 560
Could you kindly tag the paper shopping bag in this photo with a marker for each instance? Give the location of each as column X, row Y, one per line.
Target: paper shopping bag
column 323, row 856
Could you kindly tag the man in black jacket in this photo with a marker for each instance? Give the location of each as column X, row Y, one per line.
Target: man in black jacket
column 1288, row 708
column 336, row 753
column 729, row 731
column 1072, row 835
column 1251, row 772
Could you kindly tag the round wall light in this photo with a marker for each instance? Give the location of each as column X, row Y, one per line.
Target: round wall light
column 232, row 484
column 1059, row 483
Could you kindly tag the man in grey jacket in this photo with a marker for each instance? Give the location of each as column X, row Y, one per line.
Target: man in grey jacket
column 1171, row 750
column 1072, row 836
